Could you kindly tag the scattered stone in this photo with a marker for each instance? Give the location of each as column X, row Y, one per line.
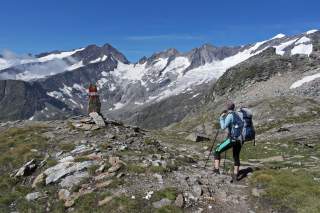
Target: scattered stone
column 94, row 156
column 257, row 192
column 148, row 196
column 114, row 168
column 314, row 158
column 105, row 201
column 86, row 120
column 284, row 145
column 120, row 175
column 196, row 188
column 123, row 147
column 104, row 176
column 33, row 196
column 161, row 203
column 310, row 145
column 83, row 141
column 58, row 154
column 179, row 202
column 64, row 194
column 27, row 169
column 104, row 184
column 159, row 178
column 81, row 149
column 44, row 161
column 67, row 159
column 283, row 129
column 74, row 179
column 69, row 203
column 110, row 136
column 38, row 180
column 114, row 160
column 60, row 170
column 97, row 119
column 195, row 137
column 101, row 169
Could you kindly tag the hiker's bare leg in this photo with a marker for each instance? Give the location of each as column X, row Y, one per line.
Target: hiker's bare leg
column 216, row 164
column 236, row 170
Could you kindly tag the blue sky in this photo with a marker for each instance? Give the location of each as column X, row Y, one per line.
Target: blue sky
column 141, row 27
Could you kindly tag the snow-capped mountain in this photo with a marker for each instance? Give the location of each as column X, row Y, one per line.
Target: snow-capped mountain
column 128, row 88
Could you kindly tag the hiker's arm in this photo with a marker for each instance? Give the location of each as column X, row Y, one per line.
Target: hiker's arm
column 225, row 121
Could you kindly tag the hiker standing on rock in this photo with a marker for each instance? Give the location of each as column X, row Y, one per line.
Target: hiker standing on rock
column 230, row 121
column 94, row 100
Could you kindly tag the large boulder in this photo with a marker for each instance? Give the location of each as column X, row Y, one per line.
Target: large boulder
column 196, row 137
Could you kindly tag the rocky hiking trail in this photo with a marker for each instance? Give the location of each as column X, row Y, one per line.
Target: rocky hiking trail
column 77, row 165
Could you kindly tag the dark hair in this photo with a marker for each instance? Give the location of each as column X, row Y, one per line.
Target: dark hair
column 231, row 106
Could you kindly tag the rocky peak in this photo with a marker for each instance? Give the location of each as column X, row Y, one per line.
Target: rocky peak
column 169, row 53
column 93, row 53
column 208, row 53
column 142, row 60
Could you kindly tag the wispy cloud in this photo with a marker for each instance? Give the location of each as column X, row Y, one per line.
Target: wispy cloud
column 165, row 37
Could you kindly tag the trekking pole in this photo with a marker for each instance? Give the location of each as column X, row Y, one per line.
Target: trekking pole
column 214, row 141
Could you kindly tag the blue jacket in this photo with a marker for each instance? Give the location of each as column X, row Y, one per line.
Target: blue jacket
column 226, row 121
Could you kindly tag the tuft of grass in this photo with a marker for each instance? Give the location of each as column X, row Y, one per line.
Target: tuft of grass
column 15, row 147
column 81, row 158
column 169, row 193
column 169, row 209
column 66, row 147
column 287, row 190
column 134, row 168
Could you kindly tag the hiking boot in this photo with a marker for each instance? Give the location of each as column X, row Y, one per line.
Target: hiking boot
column 216, row 171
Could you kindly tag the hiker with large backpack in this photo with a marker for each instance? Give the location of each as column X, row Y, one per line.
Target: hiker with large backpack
column 248, row 132
column 232, row 122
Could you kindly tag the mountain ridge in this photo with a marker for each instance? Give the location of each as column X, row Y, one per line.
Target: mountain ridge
column 134, row 87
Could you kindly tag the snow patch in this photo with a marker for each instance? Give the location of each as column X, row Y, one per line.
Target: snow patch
column 58, row 55
column 138, row 103
column 177, row 66
column 66, row 90
column 130, row 71
column 305, row 49
column 102, row 82
column 55, row 94
column 112, row 87
column 280, row 48
column 304, row 80
column 79, row 87
column 311, row 31
column 195, row 95
column 118, row 106
column 73, row 101
column 103, row 58
column 303, row 40
column 280, row 35
column 75, row 66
